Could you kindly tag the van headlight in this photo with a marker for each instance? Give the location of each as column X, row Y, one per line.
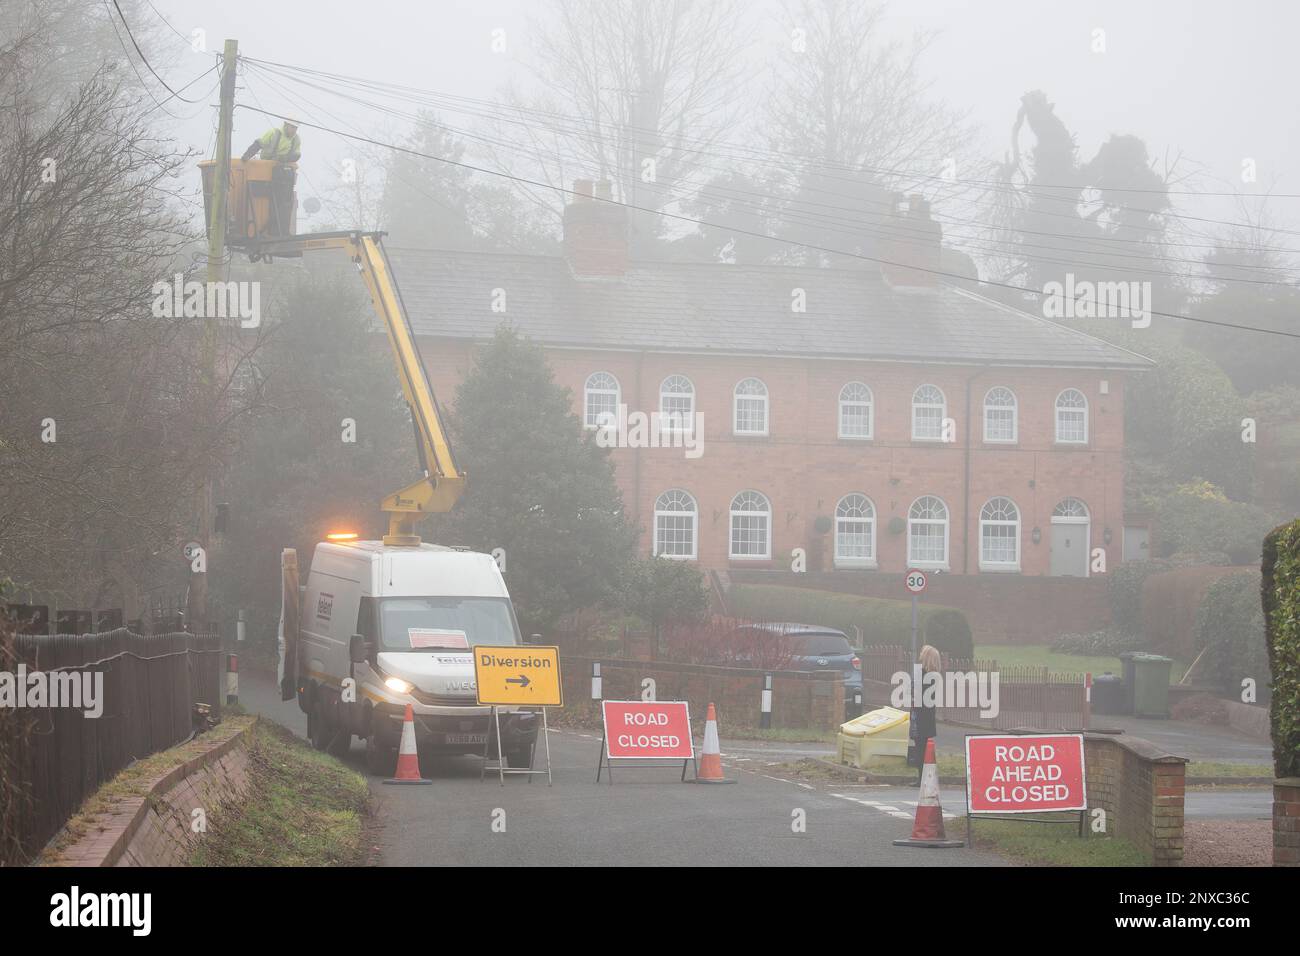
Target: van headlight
column 398, row 685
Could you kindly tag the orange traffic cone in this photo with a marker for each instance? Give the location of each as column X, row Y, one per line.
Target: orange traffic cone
column 710, row 768
column 408, row 761
column 927, row 829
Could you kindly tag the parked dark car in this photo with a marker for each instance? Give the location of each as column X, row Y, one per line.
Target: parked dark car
column 815, row 648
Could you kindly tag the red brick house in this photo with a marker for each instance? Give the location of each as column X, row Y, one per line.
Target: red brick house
column 895, row 421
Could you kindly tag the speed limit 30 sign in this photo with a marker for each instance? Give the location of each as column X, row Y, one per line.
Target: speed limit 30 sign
column 914, row 581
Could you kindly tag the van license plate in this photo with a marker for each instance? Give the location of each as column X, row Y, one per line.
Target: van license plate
column 466, row 738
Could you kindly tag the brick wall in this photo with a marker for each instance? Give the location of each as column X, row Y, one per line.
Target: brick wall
column 804, row 468
column 800, row 699
column 1286, row 821
column 153, row 828
column 1141, row 788
column 1001, row 608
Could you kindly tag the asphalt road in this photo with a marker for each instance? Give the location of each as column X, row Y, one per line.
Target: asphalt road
column 646, row 818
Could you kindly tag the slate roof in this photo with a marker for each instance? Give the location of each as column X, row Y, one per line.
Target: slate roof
column 687, row 307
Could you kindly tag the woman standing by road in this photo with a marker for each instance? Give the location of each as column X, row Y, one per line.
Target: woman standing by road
column 923, row 716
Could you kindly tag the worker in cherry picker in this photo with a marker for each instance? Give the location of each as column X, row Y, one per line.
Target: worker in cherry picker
column 281, row 144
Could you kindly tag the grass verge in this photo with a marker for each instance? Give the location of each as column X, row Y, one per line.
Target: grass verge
column 1041, row 655
column 1052, row 844
column 303, row 808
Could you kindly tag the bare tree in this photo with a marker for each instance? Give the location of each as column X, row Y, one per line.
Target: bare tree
column 103, row 420
column 638, row 92
column 852, row 118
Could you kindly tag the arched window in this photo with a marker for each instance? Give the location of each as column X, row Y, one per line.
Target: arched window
column 855, row 532
column 929, row 408
column 750, row 408
column 856, row 411
column 1000, row 535
column 927, row 533
column 1071, row 417
column 600, row 399
column 1000, row 423
column 676, row 517
column 751, row 526
column 677, row 404
column 1070, row 509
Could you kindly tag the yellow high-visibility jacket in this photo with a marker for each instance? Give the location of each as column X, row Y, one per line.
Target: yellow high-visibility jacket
column 276, row 145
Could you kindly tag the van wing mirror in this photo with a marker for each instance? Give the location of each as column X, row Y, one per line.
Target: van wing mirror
column 534, row 639
column 358, row 649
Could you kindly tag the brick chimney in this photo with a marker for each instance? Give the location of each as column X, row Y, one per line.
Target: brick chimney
column 912, row 239
column 595, row 231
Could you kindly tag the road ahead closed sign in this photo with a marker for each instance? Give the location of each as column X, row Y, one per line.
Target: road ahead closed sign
column 518, row 674
column 1025, row 773
column 657, row 729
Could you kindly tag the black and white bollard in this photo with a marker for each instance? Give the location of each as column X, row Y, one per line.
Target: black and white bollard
column 595, row 680
column 765, row 710
column 232, row 678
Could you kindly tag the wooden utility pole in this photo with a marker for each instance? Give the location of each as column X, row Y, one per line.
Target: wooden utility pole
column 198, row 596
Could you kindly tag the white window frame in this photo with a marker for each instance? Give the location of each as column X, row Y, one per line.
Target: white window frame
column 1014, row 408
column 946, row 521
column 1081, row 409
column 869, row 403
column 734, row 512
column 666, row 418
column 942, row 405
column 663, row 510
column 737, row 398
column 589, row 390
column 987, row 521
column 855, row 561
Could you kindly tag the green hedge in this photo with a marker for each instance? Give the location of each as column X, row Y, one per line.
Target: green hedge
column 1280, row 593
column 1230, row 623
column 882, row 621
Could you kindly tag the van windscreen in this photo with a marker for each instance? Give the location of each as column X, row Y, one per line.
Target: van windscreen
column 444, row 623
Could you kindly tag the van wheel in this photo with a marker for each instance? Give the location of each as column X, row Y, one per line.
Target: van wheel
column 319, row 727
column 380, row 761
column 521, row 758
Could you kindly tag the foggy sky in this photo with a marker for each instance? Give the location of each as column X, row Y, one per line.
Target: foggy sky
column 1217, row 81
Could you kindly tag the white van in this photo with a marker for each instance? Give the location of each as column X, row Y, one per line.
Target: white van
column 401, row 622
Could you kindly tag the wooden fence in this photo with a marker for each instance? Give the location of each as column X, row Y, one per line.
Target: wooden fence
column 150, row 685
column 1028, row 695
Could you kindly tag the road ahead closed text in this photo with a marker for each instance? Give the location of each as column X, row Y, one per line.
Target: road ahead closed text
column 650, row 729
column 1025, row 774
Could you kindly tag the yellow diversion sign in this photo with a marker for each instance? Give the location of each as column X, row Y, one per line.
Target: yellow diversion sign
column 518, row 674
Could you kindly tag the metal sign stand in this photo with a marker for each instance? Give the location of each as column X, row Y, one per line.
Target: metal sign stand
column 502, row 769
column 606, row 763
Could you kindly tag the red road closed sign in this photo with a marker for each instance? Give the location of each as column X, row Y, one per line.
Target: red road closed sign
column 1025, row 773
column 659, row 729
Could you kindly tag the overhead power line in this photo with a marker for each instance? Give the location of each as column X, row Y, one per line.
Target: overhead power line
column 1084, row 249
column 702, row 222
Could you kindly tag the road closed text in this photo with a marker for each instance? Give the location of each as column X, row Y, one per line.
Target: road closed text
column 650, row 729
column 1024, row 774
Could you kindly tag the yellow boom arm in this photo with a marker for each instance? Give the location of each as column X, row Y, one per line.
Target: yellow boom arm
column 443, row 483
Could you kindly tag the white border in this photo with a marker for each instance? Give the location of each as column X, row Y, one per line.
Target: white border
column 1083, row 774
column 604, row 728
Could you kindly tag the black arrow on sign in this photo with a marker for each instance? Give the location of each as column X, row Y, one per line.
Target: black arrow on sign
column 521, row 680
